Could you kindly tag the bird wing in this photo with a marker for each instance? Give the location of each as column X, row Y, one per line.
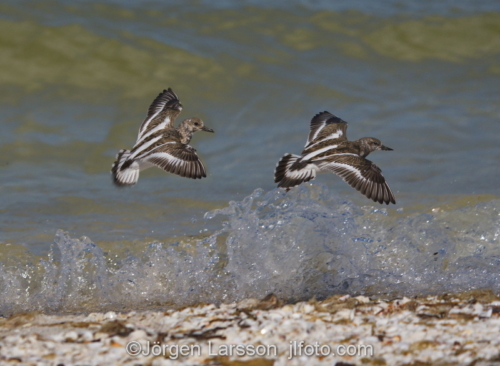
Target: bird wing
column 177, row 158
column 326, row 126
column 161, row 113
column 361, row 174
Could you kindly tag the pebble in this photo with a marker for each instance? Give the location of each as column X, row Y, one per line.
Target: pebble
column 71, row 336
column 363, row 299
column 110, row 315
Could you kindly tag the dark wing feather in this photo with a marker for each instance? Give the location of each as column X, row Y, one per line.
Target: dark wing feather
column 168, row 99
column 177, row 158
column 326, row 126
column 164, row 110
column 362, row 175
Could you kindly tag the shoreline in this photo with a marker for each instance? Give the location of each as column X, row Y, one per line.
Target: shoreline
column 457, row 329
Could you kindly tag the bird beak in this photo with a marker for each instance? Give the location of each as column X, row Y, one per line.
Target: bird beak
column 385, row 148
column 207, row 129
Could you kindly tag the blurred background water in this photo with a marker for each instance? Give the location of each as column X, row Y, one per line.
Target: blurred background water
column 76, row 79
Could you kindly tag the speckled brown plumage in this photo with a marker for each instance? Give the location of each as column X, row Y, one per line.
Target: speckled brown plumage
column 160, row 143
column 327, row 149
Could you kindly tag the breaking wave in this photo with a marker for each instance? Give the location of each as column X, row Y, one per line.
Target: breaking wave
column 307, row 243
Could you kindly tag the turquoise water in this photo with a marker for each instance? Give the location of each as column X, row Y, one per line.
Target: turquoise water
column 77, row 79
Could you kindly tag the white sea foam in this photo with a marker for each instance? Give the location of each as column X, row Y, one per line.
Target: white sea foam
column 298, row 245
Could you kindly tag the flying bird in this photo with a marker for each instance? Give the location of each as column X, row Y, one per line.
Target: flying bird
column 161, row 144
column 328, row 150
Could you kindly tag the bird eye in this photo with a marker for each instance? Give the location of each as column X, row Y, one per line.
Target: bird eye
column 196, row 124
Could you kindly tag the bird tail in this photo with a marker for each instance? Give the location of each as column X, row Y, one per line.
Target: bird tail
column 291, row 172
column 125, row 172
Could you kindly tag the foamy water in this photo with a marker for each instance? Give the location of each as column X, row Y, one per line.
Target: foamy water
column 298, row 245
column 76, row 81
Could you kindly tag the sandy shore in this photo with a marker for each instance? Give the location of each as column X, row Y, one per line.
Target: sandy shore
column 461, row 329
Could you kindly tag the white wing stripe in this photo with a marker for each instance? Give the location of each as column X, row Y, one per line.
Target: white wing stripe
column 144, row 146
column 317, row 152
column 319, row 128
column 144, row 133
column 147, row 122
column 338, row 166
column 334, row 135
column 334, row 154
column 299, row 174
column 166, row 156
column 146, row 153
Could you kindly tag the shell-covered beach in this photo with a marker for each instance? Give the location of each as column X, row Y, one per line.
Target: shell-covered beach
column 459, row 329
column 86, row 267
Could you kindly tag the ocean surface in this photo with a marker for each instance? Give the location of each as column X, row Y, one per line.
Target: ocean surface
column 77, row 78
